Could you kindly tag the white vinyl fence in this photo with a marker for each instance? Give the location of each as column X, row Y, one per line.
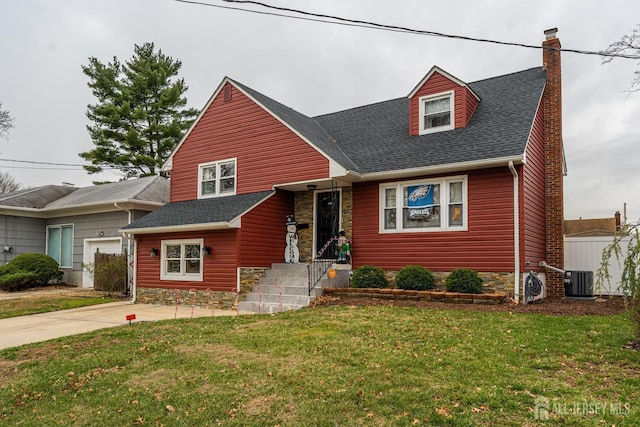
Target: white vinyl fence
column 585, row 254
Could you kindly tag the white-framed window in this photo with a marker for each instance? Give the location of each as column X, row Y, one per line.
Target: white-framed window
column 60, row 244
column 181, row 260
column 217, row 178
column 437, row 112
column 424, row 205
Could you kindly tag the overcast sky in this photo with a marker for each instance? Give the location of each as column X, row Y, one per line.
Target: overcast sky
column 318, row 68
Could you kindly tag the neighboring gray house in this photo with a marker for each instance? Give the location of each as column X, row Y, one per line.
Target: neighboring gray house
column 70, row 224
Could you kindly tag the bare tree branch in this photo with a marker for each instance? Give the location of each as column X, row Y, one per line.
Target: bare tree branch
column 8, row 183
column 628, row 44
column 6, row 122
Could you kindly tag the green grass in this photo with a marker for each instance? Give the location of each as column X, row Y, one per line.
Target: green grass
column 330, row 366
column 33, row 305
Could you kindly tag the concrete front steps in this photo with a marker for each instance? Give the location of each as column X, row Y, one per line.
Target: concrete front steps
column 284, row 287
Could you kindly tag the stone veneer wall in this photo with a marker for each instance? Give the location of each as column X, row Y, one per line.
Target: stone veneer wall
column 303, row 211
column 222, row 300
column 249, row 278
column 492, row 282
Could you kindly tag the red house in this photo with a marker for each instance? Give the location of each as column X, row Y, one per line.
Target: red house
column 453, row 175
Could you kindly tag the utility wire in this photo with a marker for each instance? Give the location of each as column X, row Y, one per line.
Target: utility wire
column 39, row 168
column 49, row 164
column 319, row 17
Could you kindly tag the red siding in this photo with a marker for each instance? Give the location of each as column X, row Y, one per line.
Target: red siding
column 534, row 200
column 263, row 231
column 486, row 246
column 472, row 103
column 438, row 83
column 219, row 273
column 265, row 148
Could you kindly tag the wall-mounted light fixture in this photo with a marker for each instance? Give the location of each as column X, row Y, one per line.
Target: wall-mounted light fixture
column 206, row 250
column 153, row 252
column 101, row 234
column 311, row 187
column 8, row 249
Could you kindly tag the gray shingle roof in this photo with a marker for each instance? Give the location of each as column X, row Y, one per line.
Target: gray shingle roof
column 376, row 137
column 202, row 211
column 36, row 198
column 305, row 125
column 148, row 189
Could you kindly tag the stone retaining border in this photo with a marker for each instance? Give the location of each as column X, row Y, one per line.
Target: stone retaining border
column 437, row 296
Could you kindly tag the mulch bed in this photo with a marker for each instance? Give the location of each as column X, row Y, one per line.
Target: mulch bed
column 601, row 307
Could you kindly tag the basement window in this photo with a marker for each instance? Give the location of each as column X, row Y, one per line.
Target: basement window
column 437, row 113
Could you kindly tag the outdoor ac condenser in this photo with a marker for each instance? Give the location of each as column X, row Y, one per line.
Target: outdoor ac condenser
column 578, row 284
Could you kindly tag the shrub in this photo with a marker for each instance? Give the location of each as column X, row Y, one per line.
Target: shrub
column 43, row 267
column 111, row 275
column 369, row 277
column 17, row 281
column 464, row 280
column 414, row 277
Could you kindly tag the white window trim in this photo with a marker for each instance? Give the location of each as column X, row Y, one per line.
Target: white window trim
column 217, row 163
column 452, row 123
column 73, row 230
column 192, row 277
column 444, row 205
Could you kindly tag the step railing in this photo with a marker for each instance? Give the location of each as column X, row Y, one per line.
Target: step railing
column 319, row 266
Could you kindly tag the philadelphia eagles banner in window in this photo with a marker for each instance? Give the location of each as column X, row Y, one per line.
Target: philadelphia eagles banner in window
column 420, row 201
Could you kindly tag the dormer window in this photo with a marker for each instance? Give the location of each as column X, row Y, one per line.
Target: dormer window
column 436, row 113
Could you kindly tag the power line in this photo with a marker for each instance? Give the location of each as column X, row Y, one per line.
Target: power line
column 38, row 168
column 48, row 164
column 319, row 17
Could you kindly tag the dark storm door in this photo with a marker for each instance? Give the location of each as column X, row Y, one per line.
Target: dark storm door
column 327, row 222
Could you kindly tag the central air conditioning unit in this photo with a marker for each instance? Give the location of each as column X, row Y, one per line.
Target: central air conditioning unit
column 578, row 283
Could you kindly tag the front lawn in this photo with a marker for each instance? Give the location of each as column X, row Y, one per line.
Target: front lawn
column 46, row 303
column 332, row 366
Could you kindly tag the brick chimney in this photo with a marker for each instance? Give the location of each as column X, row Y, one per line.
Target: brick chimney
column 554, row 166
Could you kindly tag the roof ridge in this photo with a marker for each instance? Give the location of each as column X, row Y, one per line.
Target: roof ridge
column 359, row 107
column 18, row 193
column 507, row 74
column 144, row 187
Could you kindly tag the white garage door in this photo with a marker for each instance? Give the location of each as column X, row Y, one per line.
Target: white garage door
column 105, row 246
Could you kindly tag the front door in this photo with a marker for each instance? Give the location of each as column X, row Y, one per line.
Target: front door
column 327, row 222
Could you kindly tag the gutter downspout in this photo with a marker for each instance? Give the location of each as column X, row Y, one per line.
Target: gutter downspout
column 516, row 233
column 129, row 253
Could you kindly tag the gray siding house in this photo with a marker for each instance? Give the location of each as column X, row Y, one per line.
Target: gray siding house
column 70, row 224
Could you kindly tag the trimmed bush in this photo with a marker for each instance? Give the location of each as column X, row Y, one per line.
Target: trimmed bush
column 414, row 277
column 42, row 267
column 464, row 280
column 368, row 276
column 17, row 281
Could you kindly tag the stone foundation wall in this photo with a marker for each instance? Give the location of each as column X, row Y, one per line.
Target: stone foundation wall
column 249, row 278
column 222, row 300
column 492, row 282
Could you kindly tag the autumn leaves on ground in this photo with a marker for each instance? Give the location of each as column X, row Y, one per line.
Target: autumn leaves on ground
column 330, row 365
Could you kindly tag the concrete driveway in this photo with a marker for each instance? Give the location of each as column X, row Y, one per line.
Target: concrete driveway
column 22, row 330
